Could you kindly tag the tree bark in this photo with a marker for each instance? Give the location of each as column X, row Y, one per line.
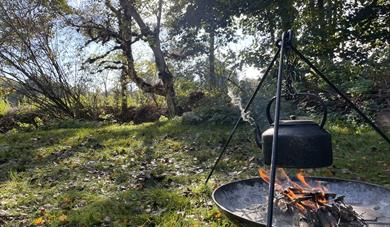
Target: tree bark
column 153, row 39
column 212, row 77
column 124, row 83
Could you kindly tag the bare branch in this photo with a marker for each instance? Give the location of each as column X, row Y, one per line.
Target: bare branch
column 158, row 27
column 117, row 13
column 94, row 59
column 112, row 62
column 145, row 30
column 112, row 67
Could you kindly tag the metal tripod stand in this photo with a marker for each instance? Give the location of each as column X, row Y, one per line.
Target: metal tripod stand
column 285, row 45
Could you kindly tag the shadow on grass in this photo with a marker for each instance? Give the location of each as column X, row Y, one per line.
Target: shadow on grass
column 20, row 152
column 132, row 208
column 25, row 151
column 96, row 162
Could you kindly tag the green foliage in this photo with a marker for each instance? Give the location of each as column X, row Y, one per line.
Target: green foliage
column 215, row 110
column 22, row 118
column 25, row 127
column 4, row 107
column 361, row 87
column 184, row 87
column 353, row 57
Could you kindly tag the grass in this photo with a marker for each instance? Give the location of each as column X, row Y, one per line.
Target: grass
column 85, row 173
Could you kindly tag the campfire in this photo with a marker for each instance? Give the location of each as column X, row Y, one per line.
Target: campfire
column 311, row 205
column 299, row 144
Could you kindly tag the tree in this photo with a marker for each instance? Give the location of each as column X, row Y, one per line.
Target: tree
column 26, row 55
column 342, row 36
column 199, row 31
column 117, row 26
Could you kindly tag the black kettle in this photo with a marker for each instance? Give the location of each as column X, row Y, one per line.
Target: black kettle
column 301, row 143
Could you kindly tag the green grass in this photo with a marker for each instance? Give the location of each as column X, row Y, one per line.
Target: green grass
column 83, row 174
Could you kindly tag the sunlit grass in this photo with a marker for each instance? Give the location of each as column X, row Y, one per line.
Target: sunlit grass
column 151, row 174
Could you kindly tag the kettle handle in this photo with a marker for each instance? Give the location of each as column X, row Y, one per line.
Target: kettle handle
column 324, row 108
column 258, row 136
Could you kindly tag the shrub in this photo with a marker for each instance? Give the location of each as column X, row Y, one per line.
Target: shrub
column 215, row 109
column 22, row 118
column 138, row 115
column 4, row 107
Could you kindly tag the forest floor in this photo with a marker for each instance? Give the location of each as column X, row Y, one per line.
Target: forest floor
column 83, row 174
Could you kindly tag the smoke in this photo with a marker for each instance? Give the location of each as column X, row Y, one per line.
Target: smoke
column 236, row 101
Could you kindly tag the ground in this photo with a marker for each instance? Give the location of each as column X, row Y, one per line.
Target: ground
column 144, row 175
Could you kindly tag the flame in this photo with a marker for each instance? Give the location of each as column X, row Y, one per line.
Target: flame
column 301, row 178
column 264, row 175
column 285, row 175
column 300, row 193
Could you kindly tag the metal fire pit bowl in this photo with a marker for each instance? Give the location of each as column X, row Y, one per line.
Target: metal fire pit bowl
column 245, row 202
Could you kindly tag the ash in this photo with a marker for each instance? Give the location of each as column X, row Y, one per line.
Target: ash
column 369, row 201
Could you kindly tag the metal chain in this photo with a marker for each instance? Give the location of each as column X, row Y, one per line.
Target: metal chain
column 291, row 76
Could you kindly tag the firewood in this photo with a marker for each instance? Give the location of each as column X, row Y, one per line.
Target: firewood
column 335, row 213
column 313, row 206
column 326, row 218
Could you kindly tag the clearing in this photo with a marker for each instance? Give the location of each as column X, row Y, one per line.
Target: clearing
column 85, row 173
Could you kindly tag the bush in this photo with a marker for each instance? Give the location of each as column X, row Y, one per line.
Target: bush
column 22, row 118
column 138, row 115
column 216, row 110
column 4, row 107
column 192, row 101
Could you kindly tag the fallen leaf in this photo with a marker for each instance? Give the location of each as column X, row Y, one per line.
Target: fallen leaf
column 39, row 221
column 63, row 218
column 217, row 214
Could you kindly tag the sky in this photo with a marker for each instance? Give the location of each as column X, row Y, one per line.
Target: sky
column 69, row 41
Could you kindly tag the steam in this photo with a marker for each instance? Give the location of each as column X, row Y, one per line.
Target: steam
column 236, row 101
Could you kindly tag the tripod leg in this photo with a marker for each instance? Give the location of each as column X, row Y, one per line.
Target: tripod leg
column 276, row 131
column 245, row 110
column 372, row 124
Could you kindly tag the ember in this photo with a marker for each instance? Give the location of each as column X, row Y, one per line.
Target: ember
column 311, row 205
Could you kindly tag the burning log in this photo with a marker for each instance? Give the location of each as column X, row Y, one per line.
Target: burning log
column 312, row 206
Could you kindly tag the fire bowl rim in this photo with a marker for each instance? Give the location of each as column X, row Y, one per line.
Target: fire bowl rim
column 246, row 222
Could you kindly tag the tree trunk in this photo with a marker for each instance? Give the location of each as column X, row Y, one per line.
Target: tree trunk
column 170, row 95
column 165, row 89
column 166, row 77
column 153, row 39
column 164, row 74
column 212, row 77
column 123, row 82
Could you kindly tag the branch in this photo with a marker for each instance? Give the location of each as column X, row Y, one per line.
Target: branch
column 144, row 86
column 104, row 32
column 145, row 30
column 93, row 39
column 113, row 62
column 160, row 3
column 137, row 38
column 113, row 9
column 112, row 67
column 93, row 60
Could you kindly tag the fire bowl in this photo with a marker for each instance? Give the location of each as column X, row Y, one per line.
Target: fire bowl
column 245, row 202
